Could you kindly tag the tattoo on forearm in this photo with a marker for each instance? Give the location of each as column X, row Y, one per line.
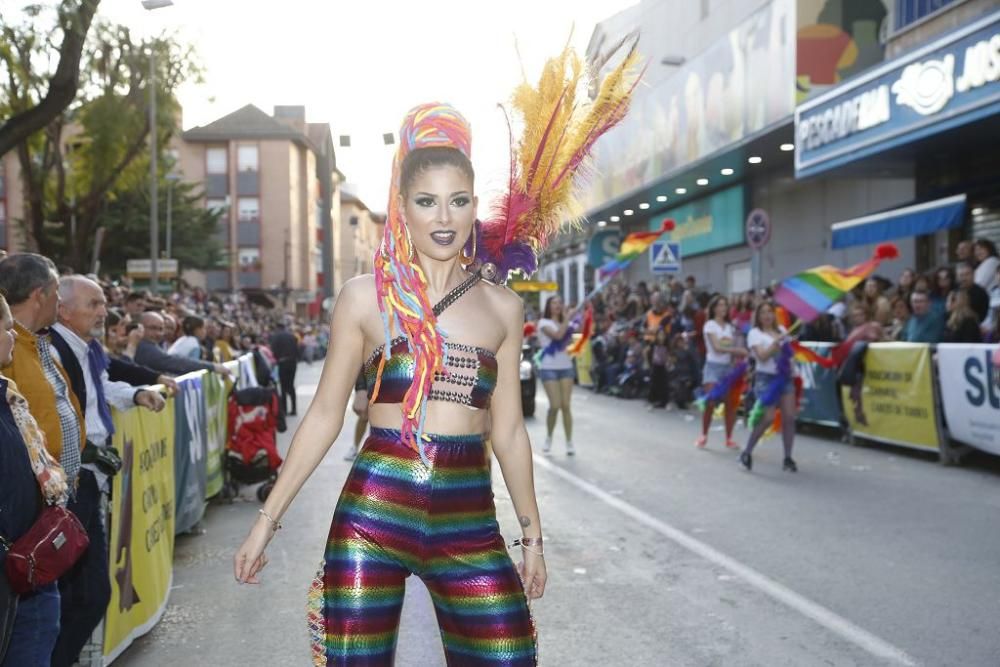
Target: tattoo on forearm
column 525, row 522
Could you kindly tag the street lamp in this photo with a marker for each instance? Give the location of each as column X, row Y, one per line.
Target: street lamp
column 171, row 179
column 154, row 222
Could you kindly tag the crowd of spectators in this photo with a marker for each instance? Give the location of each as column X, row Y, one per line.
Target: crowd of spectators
column 648, row 338
column 71, row 348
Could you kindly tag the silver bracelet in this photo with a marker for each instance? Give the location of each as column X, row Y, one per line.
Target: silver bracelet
column 275, row 525
column 527, row 543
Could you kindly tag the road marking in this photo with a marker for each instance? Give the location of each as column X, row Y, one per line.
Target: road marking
column 818, row 613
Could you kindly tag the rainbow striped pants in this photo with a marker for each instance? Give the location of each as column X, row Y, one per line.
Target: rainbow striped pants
column 397, row 517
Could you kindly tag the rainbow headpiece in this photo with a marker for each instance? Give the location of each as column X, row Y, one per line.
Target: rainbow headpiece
column 401, row 284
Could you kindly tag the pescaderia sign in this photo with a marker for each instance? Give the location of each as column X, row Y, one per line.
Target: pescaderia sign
column 950, row 82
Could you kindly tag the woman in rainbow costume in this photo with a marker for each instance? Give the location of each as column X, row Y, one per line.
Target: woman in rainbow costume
column 439, row 341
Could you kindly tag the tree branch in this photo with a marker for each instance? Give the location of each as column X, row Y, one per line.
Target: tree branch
column 63, row 84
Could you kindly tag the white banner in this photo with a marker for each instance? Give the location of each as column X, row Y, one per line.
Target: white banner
column 970, row 395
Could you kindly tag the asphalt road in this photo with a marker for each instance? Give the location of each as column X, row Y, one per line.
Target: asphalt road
column 660, row 554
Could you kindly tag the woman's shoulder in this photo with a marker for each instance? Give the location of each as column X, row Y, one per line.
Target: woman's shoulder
column 501, row 297
column 359, row 286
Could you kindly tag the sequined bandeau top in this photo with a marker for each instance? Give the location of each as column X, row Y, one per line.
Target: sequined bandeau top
column 469, row 377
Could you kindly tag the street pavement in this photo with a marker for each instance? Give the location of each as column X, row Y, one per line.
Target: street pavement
column 658, row 554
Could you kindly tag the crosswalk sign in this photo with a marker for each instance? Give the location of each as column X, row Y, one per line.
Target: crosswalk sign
column 665, row 257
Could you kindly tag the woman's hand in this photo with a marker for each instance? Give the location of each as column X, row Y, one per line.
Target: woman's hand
column 250, row 558
column 532, row 572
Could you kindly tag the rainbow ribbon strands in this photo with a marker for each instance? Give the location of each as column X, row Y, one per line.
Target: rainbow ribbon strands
column 810, row 293
column 632, row 246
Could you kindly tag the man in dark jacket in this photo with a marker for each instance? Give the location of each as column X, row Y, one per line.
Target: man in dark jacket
column 150, row 354
column 979, row 299
column 285, row 347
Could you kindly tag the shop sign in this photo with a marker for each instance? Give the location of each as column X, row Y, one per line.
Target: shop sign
column 947, row 83
column 603, row 246
column 706, row 224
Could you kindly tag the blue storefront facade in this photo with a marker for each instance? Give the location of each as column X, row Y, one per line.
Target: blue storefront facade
column 935, row 111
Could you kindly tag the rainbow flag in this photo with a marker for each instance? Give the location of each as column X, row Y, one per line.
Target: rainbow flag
column 808, row 356
column 632, row 246
column 810, row 293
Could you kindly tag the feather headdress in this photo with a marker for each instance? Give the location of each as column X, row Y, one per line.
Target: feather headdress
column 550, row 159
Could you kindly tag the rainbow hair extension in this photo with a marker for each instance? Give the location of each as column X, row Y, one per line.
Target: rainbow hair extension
column 399, row 280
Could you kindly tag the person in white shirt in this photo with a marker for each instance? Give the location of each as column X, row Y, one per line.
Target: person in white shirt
column 85, row 590
column 765, row 341
column 986, row 275
column 556, row 370
column 720, row 351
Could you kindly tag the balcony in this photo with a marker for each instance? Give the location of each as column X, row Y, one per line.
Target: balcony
column 216, row 185
column 250, row 278
column 248, row 183
column 217, row 280
column 248, row 232
column 222, row 234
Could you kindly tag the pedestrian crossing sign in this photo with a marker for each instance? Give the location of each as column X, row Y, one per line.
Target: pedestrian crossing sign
column 665, row 257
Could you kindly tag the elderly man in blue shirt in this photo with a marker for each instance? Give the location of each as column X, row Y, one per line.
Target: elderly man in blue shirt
column 77, row 335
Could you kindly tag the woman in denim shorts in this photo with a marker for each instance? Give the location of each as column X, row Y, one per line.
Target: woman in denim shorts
column 765, row 341
column 556, row 371
column 720, row 349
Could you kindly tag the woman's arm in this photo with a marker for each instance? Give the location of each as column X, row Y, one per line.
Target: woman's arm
column 555, row 333
column 719, row 346
column 510, row 441
column 320, row 425
column 765, row 351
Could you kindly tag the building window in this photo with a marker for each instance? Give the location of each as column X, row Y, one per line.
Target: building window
column 911, row 11
column 249, row 259
column 217, row 204
column 249, row 209
column 216, row 161
column 246, row 158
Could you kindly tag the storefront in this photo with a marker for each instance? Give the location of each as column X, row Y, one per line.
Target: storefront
column 713, row 138
column 932, row 114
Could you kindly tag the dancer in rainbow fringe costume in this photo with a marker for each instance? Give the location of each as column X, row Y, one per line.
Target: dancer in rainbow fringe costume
column 439, row 342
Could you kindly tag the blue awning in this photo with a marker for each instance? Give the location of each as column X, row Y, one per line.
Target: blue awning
column 899, row 223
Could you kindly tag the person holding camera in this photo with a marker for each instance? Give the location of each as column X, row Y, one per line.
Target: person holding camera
column 86, row 589
column 31, row 285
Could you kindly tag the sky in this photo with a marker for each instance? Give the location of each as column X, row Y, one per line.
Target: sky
column 360, row 65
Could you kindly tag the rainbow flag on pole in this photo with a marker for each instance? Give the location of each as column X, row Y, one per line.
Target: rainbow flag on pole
column 811, row 293
column 632, row 246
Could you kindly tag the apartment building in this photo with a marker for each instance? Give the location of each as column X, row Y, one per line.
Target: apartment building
column 356, row 237
column 275, row 179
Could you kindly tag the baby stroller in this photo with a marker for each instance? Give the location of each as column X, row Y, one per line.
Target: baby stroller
column 252, row 451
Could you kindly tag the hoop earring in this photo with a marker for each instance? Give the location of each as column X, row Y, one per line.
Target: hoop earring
column 466, row 260
column 409, row 240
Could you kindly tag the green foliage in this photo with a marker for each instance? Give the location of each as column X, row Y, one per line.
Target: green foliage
column 126, row 218
column 91, row 165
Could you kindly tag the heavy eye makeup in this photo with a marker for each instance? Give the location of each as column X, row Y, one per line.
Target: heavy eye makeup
column 458, row 200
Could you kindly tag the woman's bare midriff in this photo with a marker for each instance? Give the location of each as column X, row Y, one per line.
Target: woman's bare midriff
column 443, row 418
